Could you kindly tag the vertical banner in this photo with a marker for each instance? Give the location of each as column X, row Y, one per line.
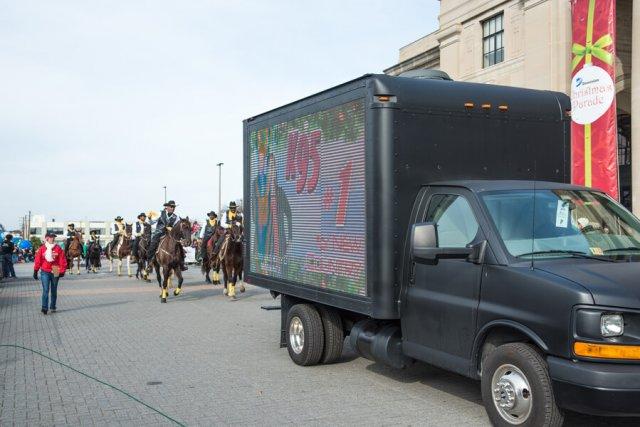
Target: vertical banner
column 594, row 149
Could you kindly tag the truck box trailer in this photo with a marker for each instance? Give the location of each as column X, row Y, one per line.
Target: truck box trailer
column 409, row 214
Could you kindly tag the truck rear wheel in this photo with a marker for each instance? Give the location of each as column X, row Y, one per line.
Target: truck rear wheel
column 333, row 335
column 516, row 388
column 305, row 335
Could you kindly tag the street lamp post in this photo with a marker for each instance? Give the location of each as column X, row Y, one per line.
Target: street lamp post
column 165, row 193
column 220, row 188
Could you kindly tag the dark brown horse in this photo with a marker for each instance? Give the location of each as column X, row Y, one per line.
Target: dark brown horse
column 211, row 261
column 231, row 260
column 143, row 245
column 93, row 256
column 169, row 256
column 74, row 251
column 122, row 250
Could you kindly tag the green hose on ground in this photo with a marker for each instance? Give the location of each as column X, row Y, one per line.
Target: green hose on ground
column 95, row 379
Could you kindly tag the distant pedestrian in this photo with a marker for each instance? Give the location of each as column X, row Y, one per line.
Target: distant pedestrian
column 7, row 248
column 51, row 260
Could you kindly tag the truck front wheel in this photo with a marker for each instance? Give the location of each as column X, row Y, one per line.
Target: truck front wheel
column 516, row 388
column 305, row 335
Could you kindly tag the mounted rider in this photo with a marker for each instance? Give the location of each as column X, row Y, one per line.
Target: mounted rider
column 117, row 230
column 138, row 231
column 232, row 216
column 207, row 232
column 70, row 234
column 94, row 239
column 168, row 219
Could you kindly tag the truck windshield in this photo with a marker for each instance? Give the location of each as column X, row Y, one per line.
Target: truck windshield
column 563, row 223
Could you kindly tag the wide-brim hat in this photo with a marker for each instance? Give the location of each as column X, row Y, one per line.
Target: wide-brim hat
column 170, row 204
column 71, row 224
column 212, row 213
column 233, row 205
column 118, row 218
column 54, row 235
column 141, row 214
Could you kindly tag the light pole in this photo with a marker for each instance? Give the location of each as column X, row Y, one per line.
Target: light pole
column 165, row 193
column 220, row 188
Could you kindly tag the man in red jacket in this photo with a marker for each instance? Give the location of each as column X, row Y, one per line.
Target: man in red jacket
column 51, row 260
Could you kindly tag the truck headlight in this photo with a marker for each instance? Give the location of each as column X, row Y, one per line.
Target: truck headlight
column 611, row 325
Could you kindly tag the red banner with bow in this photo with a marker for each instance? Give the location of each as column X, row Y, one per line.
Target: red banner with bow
column 594, row 150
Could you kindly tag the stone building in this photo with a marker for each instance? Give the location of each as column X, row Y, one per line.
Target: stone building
column 527, row 43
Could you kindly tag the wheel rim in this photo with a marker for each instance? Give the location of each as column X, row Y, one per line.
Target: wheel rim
column 512, row 394
column 296, row 335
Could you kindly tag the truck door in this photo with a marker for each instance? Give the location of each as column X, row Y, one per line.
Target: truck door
column 440, row 305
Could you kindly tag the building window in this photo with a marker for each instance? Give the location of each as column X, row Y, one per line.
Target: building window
column 492, row 41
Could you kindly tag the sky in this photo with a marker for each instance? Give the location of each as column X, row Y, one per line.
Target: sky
column 102, row 103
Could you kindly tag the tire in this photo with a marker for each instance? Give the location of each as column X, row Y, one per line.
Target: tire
column 333, row 335
column 512, row 363
column 305, row 319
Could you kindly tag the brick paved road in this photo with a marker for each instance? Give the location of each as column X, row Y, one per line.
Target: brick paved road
column 200, row 359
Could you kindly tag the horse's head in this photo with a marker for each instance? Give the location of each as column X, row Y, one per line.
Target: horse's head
column 184, row 227
column 128, row 228
column 236, row 232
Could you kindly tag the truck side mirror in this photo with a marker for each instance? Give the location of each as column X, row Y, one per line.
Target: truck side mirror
column 425, row 250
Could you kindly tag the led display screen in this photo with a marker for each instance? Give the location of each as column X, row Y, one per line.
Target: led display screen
column 308, row 199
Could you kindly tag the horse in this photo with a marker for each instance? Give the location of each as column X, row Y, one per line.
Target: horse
column 169, row 256
column 143, row 245
column 211, row 261
column 74, row 251
column 230, row 257
column 121, row 250
column 93, row 257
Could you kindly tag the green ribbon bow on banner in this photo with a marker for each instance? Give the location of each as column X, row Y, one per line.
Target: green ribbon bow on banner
column 592, row 49
column 596, row 49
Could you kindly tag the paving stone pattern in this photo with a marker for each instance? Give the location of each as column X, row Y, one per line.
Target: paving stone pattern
column 200, row 359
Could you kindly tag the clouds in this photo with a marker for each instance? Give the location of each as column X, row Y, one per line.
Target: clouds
column 112, row 100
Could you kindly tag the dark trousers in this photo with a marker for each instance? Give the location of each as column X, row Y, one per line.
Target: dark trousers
column 153, row 245
column 7, row 266
column 134, row 246
column 49, row 285
column 203, row 245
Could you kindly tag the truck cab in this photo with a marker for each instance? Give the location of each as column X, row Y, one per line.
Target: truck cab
column 530, row 287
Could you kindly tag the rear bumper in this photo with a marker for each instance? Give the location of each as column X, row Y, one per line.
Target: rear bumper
column 596, row 388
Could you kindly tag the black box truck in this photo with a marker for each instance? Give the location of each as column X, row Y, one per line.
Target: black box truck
column 432, row 220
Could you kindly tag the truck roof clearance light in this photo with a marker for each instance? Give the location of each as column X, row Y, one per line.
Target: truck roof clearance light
column 383, row 98
column 503, row 108
column 486, row 106
column 468, row 105
column 606, row 351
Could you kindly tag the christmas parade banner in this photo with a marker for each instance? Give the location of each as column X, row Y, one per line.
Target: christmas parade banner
column 594, row 153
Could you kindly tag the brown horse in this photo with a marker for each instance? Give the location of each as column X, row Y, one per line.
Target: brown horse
column 169, row 256
column 231, row 260
column 74, row 252
column 122, row 250
column 211, row 261
column 143, row 245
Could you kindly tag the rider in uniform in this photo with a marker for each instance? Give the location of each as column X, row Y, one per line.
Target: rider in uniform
column 206, row 233
column 137, row 233
column 71, row 231
column 231, row 216
column 117, row 229
column 168, row 219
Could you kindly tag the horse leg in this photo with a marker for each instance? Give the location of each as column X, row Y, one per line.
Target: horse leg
column 178, row 290
column 78, row 267
column 163, row 294
column 119, row 268
column 157, row 267
column 129, row 265
column 230, row 279
column 225, row 285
